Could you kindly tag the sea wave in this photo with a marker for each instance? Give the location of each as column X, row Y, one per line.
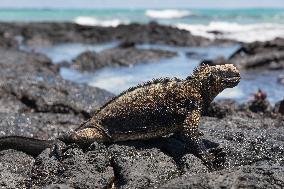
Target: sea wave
column 239, row 32
column 92, row 21
column 167, row 13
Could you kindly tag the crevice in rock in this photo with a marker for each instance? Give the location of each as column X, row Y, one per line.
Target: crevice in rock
column 118, row 180
column 55, row 108
column 31, row 103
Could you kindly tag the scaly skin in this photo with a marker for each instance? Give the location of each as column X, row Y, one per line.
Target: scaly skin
column 158, row 108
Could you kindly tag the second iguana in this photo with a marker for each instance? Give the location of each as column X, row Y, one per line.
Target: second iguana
column 150, row 110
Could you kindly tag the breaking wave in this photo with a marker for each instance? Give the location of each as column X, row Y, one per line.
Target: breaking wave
column 167, row 13
column 239, row 32
column 92, row 21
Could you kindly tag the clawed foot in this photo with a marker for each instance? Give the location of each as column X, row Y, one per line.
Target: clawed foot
column 214, row 158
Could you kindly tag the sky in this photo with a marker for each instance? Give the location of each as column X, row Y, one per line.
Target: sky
column 141, row 4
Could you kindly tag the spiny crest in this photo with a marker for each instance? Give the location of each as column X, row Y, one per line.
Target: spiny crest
column 201, row 70
column 148, row 83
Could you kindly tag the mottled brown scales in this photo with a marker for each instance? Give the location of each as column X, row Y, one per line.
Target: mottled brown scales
column 158, row 108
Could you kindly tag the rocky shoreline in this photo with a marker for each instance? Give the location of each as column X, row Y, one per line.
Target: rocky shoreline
column 257, row 55
column 36, row 101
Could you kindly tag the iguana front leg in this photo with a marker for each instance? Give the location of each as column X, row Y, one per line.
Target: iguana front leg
column 191, row 134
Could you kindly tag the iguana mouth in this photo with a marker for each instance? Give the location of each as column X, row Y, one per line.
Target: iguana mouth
column 232, row 81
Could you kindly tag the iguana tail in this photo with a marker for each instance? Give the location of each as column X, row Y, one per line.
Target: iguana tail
column 30, row 146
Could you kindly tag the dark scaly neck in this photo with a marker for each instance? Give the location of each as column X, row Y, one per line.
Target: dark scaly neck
column 209, row 91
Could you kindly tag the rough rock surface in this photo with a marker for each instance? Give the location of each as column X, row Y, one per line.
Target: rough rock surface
column 252, row 156
column 77, row 169
column 140, row 166
column 37, row 125
column 53, row 94
column 45, row 34
column 15, row 168
column 91, row 61
column 29, row 82
column 261, row 55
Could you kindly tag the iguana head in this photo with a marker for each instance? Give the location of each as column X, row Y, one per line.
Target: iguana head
column 214, row 79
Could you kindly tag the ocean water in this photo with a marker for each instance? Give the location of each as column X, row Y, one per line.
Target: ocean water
column 117, row 79
column 245, row 25
column 240, row 24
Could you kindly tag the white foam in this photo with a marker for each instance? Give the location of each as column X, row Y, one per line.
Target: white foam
column 92, row 21
column 240, row 32
column 167, row 13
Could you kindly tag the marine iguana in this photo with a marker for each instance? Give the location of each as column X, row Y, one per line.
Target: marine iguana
column 153, row 109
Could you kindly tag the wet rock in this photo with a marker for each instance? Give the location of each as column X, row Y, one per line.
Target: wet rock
column 217, row 61
column 195, row 55
column 216, row 32
column 46, row 34
column 158, row 34
column 127, row 44
column 91, row 61
column 76, row 169
column 15, row 169
column 137, row 166
column 257, row 55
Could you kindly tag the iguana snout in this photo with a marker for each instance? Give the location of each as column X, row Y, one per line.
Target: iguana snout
column 228, row 75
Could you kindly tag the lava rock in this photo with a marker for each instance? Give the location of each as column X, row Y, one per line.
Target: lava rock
column 256, row 55
column 37, row 125
column 75, row 169
column 15, row 169
column 140, row 167
column 279, row 107
column 46, row 34
column 10, row 104
column 195, row 55
column 53, row 94
column 221, row 108
column 240, row 177
column 91, row 61
column 8, row 41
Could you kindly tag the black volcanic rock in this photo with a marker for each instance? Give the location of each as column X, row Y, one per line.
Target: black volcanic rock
column 30, row 82
column 46, row 34
column 251, row 147
column 142, row 167
column 76, row 169
column 15, row 169
column 37, row 125
column 91, row 61
column 256, row 55
column 53, row 94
